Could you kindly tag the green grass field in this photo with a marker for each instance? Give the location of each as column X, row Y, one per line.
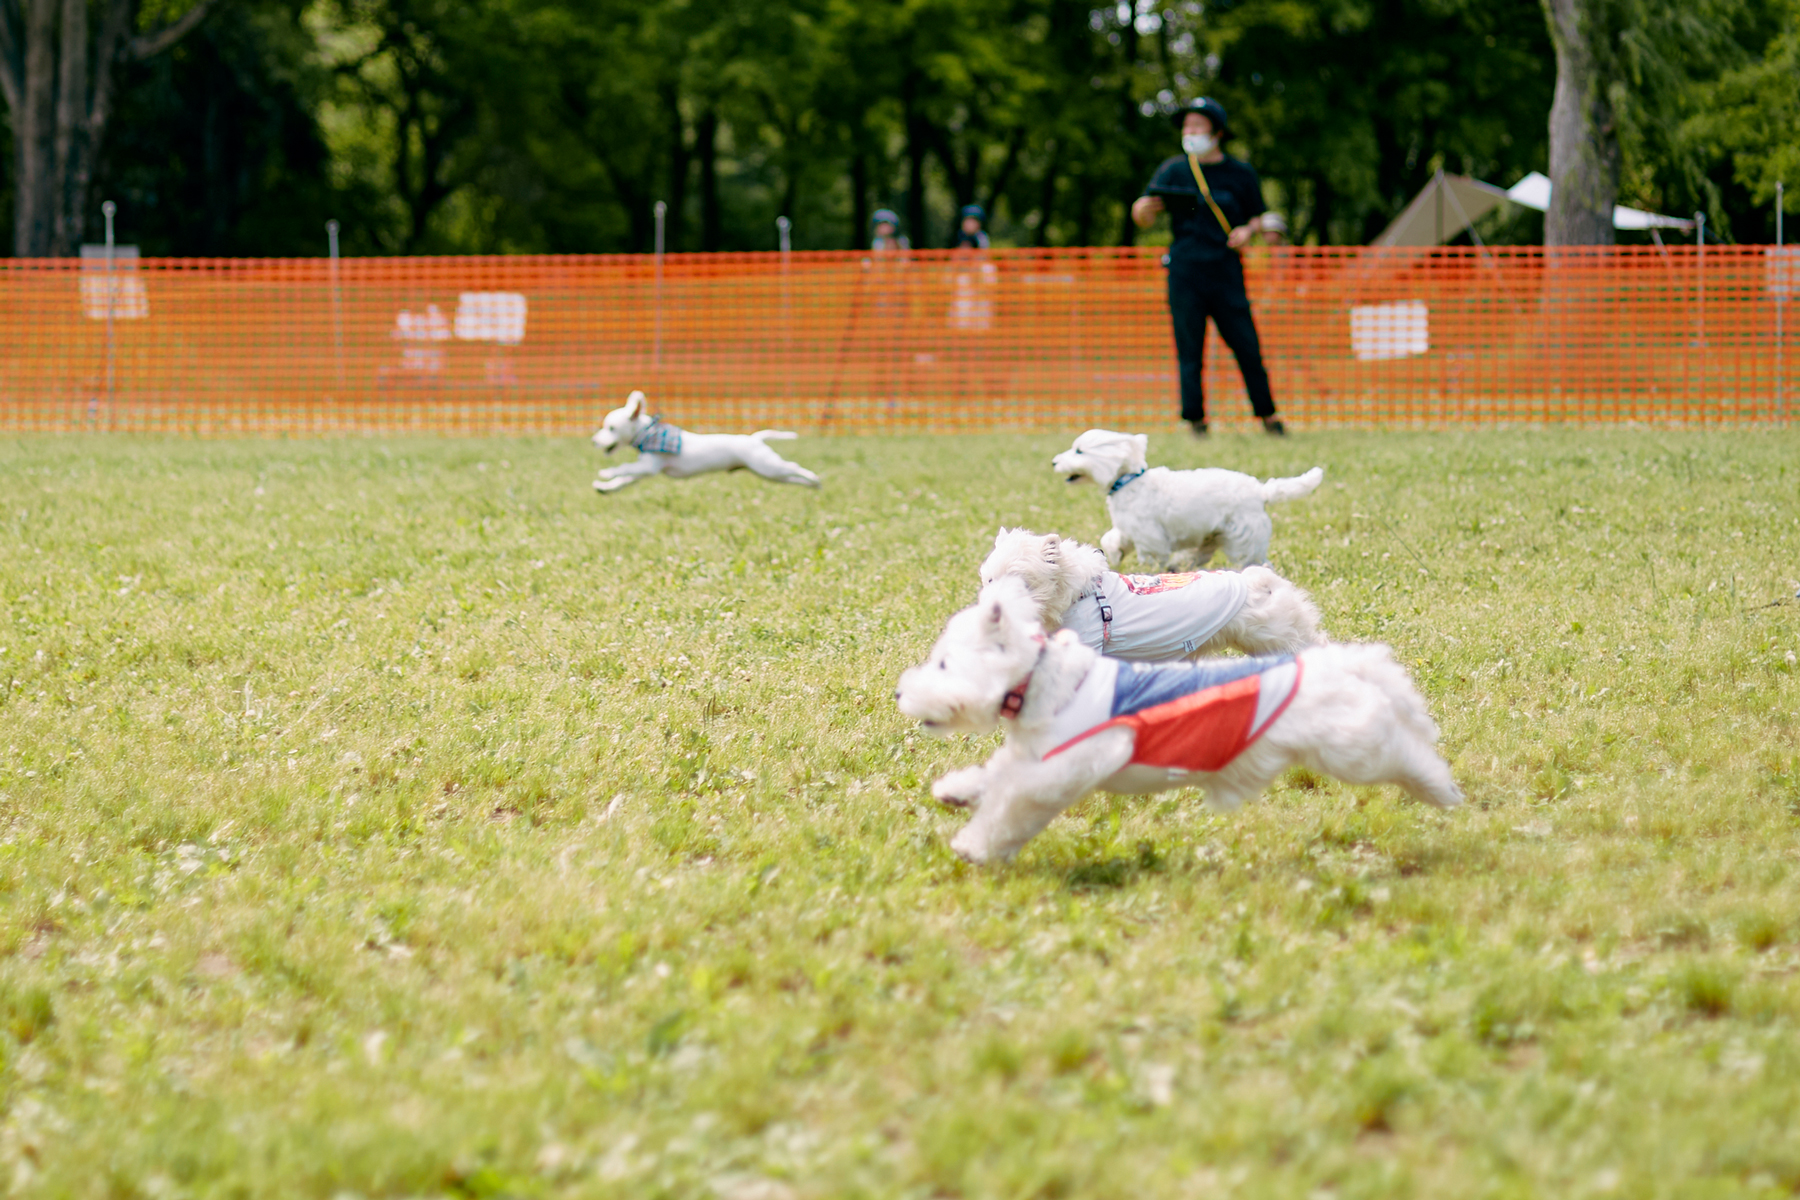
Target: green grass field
column 400, row 818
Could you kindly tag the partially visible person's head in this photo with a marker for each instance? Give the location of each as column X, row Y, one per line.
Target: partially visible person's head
column 1194, row 122
column 1202, row 122
column 884, row 224
column 973, row 217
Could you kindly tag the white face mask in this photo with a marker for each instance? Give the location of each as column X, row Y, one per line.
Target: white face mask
column 1197, row 143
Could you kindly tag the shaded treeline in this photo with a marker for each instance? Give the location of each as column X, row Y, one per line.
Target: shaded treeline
column 434, row 126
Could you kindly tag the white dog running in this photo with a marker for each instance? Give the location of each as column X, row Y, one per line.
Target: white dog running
column 1153, row 618
column 665, row 450
column 1076, row 722
column 1157, row 511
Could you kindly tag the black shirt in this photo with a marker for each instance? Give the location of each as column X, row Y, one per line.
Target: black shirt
column 1235, row 189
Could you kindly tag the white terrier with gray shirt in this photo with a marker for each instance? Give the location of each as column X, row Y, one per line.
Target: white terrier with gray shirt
column 1153, row 618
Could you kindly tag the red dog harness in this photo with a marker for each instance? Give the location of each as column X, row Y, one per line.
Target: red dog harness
column 1188, row 716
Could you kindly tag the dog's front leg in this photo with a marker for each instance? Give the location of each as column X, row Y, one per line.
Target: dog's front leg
column 961, row 789
column 964, row 788
column 611, row 479
column 1025, row 795
column 1113, row 545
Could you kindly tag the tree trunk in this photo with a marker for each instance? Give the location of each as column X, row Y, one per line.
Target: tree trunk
column 1129, row 119
column 679, row 158
column 34, row 181
column 1047, row 194
column 918, row 141
column 58, row 91
column 1584, row 139
column 859, row 201
column 706, row 149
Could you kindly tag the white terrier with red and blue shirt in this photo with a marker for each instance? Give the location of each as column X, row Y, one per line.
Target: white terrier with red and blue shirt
column 665, row 450
column 1077, row 722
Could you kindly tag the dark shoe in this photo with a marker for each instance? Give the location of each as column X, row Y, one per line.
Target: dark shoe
column 1197, row 428
column 1273, row 427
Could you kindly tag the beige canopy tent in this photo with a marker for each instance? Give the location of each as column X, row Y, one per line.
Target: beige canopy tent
column 1450, row 204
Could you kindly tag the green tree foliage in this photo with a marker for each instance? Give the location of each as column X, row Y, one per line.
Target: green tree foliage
column 219, row 150
column 1740, row 138
column 433, row 126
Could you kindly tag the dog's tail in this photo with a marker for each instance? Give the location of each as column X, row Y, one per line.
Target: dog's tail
column 1294, row 487
column 774, row 435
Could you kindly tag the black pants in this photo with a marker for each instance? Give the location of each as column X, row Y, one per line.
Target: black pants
column 1216, row 290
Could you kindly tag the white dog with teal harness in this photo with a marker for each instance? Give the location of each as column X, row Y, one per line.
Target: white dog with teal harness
column 1158, row 512
column 1153, row 618
column 665, row 450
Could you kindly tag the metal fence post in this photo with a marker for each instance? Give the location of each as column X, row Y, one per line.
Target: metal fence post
column 337, row 303
column 107, row 210
column 662, row 211
column 783, row 230
column 1780, row 304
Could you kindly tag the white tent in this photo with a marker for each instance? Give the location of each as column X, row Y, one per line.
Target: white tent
column 1451, row 203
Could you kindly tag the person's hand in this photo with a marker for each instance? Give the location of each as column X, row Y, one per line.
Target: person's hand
column 1239, row 237
column 1145, row 209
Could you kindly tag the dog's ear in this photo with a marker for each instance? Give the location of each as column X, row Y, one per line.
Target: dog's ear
column 999, row 537
column 1142, row 442
column 995, row 618
column 634, row 404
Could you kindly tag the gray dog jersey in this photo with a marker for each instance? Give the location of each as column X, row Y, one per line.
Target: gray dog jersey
column 1154, row 618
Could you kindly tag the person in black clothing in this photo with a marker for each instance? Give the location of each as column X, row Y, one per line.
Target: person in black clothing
column 1206, row 279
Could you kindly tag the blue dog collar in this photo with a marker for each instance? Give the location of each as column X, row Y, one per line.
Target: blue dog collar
column 1122, row 480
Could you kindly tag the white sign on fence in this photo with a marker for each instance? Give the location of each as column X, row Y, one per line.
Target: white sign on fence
column 491, row 317
column 1782, row 269
column 1383, row 331
column 118, row 292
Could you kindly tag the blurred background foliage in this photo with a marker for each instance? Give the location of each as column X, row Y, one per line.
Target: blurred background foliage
column 441, row 126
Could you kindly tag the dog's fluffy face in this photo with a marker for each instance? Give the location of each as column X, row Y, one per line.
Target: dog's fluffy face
column 1101, row 456
column 622, row 425
column 984, row 651
column 1054, row 569
column 1027, row 556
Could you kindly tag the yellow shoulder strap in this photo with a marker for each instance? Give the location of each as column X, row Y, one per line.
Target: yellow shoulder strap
column 1200, row 178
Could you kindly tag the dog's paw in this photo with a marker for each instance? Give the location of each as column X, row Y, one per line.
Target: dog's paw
column 959, row 789
column 970, row 846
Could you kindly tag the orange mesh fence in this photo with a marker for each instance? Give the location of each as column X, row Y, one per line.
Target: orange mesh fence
column 860, row 342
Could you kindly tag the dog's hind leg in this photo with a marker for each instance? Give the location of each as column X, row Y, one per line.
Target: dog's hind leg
column 1246, row 540
column 770, row 465
column 1356, row 734
column 1020, row 797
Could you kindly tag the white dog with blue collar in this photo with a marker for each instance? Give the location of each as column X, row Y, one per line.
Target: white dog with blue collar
column 665, row 450
column 1156, row 511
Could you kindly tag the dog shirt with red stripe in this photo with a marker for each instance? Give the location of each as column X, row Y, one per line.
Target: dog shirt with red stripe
column 1154, row 618
column 1188, row 716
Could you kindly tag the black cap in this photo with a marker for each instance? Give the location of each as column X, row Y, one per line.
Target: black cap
column 974, row 210
column 1207, row 107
